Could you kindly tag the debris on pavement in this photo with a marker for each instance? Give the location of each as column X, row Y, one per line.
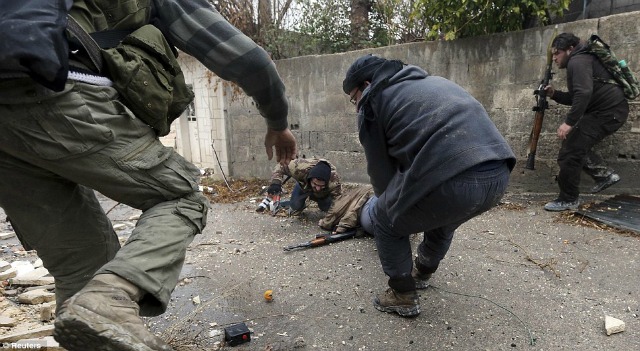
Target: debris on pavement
column 613, row 325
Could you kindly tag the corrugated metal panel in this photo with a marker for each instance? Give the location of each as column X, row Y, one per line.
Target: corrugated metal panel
column 620, row 211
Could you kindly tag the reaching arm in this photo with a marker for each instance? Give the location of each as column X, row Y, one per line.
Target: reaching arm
column 284, row 143
column 196, row 28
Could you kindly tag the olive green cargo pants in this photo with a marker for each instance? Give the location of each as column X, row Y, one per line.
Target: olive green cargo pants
column 56, row 149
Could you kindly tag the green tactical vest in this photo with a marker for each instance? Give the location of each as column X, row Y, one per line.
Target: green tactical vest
column 99, row 15
column 143, row 67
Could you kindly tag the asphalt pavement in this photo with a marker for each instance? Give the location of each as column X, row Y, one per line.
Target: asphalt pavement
column 515, row 278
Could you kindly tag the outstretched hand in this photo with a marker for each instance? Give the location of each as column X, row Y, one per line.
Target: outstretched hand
column 284, row 143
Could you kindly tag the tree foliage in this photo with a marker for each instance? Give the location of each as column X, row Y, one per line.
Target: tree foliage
column 450, row 19
column 324, row 26
column 287, row 28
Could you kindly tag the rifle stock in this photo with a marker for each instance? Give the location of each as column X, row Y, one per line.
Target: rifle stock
column 533, row 140
column 541, row 105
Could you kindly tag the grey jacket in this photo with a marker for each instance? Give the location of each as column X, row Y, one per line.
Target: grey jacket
column 423, row 130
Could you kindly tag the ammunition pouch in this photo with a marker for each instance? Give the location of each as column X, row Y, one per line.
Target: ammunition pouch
column 144, row 70
column 147, row 76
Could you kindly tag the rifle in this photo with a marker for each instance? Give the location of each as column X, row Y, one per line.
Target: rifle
column 323, row 239
column 541, row 105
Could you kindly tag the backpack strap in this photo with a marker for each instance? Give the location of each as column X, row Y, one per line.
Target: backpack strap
column 94, row 42
column 89, row 44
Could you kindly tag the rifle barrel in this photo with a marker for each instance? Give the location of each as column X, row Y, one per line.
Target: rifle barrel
column 322, row 239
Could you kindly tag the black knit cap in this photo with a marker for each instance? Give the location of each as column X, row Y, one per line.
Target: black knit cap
column 361, row 70
column 321, row 170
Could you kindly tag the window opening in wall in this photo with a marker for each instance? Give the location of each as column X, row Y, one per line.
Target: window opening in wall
column 190, row 112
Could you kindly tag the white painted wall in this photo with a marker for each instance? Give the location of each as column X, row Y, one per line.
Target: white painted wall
column 201, row 129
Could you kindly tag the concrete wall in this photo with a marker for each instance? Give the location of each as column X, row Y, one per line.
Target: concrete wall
column 500, row 70
column 200, row 134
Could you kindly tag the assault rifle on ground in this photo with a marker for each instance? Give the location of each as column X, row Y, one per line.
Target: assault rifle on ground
column 541, row 105
column 323, row 239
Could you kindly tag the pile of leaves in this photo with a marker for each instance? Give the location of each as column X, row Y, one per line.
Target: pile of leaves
column 236, row 190
column 232, row 190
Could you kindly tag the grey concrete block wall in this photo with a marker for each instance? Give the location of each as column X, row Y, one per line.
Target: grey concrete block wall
column 500, row 70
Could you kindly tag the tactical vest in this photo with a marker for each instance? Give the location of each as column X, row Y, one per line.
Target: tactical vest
column 134, row 54
column 104, row 15
column 100, row 15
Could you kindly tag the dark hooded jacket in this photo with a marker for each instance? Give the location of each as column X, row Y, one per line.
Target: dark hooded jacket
column 420, row 131
column 588, row 95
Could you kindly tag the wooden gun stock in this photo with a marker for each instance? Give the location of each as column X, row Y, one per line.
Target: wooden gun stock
column 533, row 140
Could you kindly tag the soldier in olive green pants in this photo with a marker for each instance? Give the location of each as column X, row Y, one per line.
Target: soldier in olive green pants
column 55, row 148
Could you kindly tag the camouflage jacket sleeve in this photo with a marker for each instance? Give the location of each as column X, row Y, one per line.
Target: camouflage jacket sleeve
column 280, row 172
column 196, row 28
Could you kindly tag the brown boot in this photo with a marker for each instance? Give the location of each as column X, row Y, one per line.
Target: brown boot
column 405, row 304
column 103, row 316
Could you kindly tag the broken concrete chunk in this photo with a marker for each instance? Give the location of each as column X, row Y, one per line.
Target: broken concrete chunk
column 48, row 311
column 7, row 235
column 33, row 274
column 9, row 273
column 7, row 321
column 31, row 282
column 4, row 265
column 37, row 263
column 119, row 226
column 36, row 297
column 26, row 334
column 613, row 325
column 22, row 266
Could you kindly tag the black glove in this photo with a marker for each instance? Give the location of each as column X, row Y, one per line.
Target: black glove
column 274, row 189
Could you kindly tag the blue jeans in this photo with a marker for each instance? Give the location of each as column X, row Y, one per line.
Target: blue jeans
column 299, row 199
column 438, row 215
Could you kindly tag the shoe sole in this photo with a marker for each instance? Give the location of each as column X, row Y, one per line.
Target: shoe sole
column 421, row 284
column 404, row 311
column 75, row 333
column 597, row 190
column 561, row 209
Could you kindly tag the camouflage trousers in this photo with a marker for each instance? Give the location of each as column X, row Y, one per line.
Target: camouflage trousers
column 56, row 150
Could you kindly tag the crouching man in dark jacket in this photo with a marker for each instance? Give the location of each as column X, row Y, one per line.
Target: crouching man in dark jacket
column 435, row 160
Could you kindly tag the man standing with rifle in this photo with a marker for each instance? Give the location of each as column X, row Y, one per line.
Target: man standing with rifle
column 598, row 109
